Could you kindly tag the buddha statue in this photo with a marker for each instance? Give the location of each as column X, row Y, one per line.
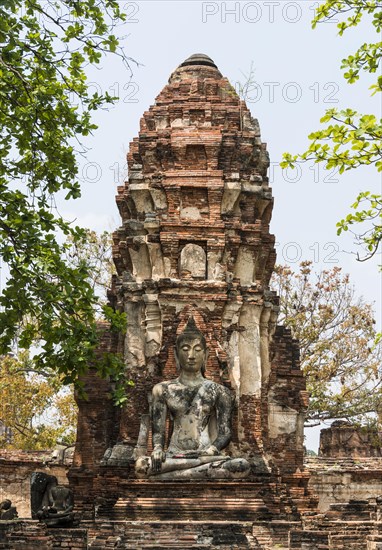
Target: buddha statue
column 201, row 411
column 51, row 503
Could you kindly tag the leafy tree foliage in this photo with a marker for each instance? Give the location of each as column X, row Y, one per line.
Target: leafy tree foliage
column 95, row 251
column 351, row 139
column 337, row 335
column 45, row 110
column 34, row 413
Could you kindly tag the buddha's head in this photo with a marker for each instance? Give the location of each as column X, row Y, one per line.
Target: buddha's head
column 191, row 349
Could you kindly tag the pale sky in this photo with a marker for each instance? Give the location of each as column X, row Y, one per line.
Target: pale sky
column 297, row 74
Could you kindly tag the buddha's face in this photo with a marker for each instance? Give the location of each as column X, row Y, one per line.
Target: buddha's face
column 192, row 355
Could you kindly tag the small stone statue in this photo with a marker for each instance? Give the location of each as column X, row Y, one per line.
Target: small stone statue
column 39, row 495
column 7, row 511
column 51, row 503
column 201, row 412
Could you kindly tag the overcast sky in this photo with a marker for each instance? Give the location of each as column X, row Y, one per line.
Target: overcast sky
column 297, row 74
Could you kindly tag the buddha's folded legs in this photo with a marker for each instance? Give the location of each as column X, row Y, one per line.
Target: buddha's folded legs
column 204, row 467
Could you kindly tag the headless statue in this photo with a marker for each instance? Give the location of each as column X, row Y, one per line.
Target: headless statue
column 201, row 413
column 51, row 503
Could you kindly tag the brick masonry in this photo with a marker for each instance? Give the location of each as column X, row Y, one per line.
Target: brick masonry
column 342, row 439
column 237, row 515
column 194, row 240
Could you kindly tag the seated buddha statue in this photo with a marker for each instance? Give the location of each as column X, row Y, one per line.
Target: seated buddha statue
column 201, row 411
column 51, row 503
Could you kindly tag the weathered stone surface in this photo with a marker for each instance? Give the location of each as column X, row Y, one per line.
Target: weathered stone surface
column 344, row 440
column 30, row 535
column 338, row 480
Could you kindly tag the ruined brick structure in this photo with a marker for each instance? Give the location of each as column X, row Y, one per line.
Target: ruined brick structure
column 344, row 439
column 195, row 241
column 16, row 468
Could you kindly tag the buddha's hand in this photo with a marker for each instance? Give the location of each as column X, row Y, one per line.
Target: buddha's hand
column 211, row 450
column 157, row 457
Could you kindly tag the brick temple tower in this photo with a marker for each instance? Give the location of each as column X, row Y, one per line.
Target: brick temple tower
column 195, row 240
